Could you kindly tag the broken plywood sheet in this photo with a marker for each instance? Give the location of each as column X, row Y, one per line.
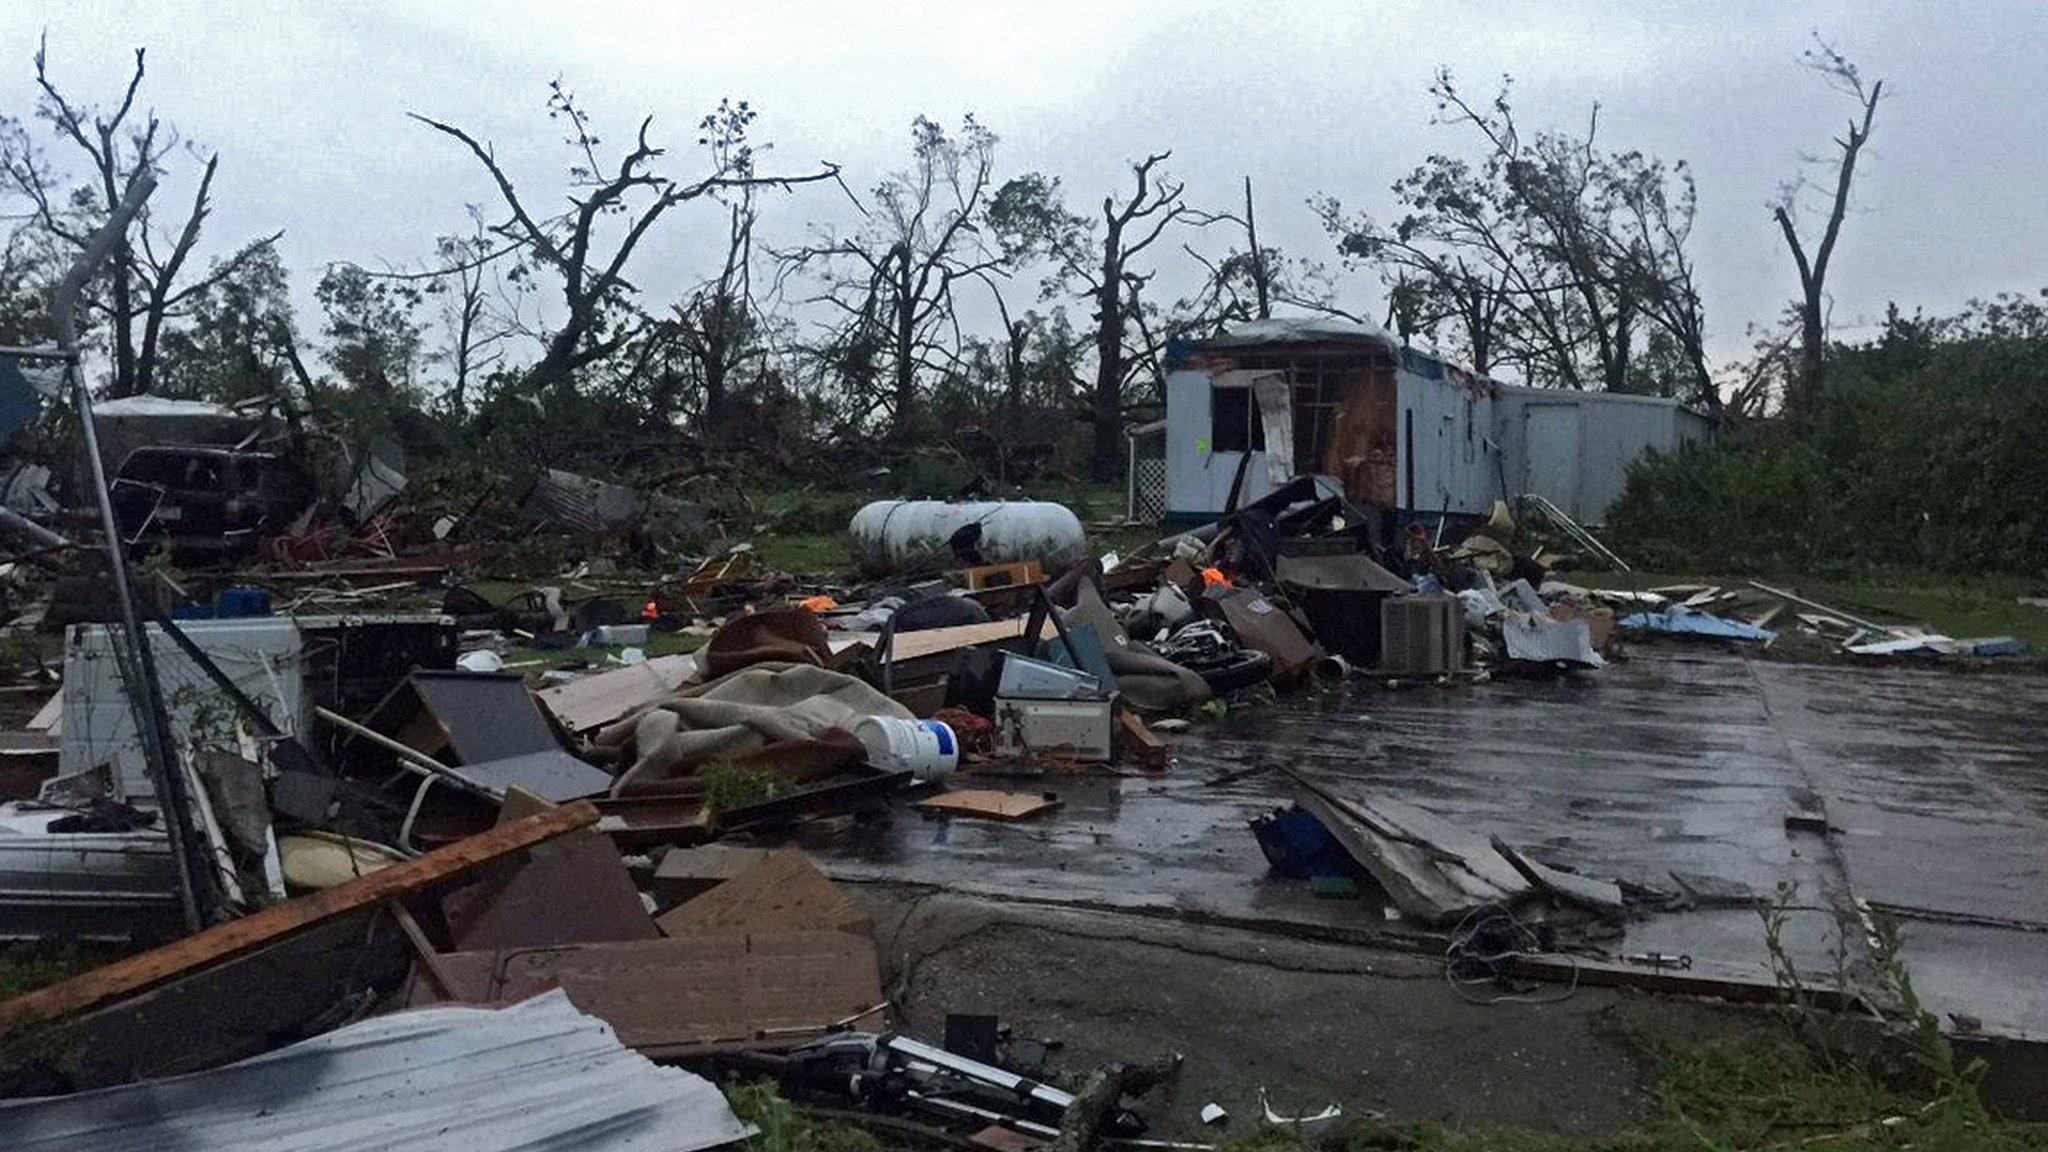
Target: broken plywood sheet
column 782, row 891
column 1600, row 895
column 691, row 995
column 571, row 890
column 1475, row 852
column 592, row 702
column 989, row 803
column 1404, row 871
column 1433, row 870
column 685, row 873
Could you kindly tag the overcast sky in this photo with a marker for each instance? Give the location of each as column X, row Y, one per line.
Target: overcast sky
column 306, row 104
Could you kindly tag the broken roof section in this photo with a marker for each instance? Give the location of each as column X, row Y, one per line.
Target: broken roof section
column 535, row 1075
column 1302, row 330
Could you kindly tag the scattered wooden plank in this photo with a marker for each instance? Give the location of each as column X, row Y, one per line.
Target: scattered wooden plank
column 637, row 823
column 1137, row 739
column 571, row 890
column 783, row 892
column 932, row 641
column 1781, row 594
column 1600, row 895
column 224, row 942
column 989, row 803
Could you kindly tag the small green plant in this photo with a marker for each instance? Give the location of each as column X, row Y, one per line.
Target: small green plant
column 728, row 786
column 784, row 1127
column 1957, row 1099
column 1866, row 1111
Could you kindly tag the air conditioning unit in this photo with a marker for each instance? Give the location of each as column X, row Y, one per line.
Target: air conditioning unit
column 1421, row 635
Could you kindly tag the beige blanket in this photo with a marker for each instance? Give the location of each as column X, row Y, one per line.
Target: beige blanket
column 742, row 712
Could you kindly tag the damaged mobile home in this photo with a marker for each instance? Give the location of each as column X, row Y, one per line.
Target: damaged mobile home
column 1398, row 427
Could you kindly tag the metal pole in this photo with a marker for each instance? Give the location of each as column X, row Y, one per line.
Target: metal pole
column 139, row 663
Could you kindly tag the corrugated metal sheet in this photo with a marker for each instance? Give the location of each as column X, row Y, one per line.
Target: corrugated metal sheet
column 538, row 1075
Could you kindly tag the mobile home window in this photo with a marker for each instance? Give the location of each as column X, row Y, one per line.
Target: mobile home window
column 1233, row 421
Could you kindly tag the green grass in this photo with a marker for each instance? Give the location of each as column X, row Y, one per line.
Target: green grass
column 1963, row 607
column 805, row 553
column 1767, row 1092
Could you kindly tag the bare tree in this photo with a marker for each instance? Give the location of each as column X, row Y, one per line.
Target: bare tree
column 891, row 284
column 1129, row 228
column 142, row 290
column 462, row 278
column 1841, row 75
column 718, row 325
column 1033, row 223
column 1245, row 283
column 1550, row 256
column 576, row 246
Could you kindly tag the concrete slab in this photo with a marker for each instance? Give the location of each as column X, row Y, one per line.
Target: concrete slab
column 1678, row 759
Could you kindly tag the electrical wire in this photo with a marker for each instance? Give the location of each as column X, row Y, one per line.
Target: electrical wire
column 1484, row 945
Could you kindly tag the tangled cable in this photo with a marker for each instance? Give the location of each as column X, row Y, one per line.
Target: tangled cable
column 1483, row 947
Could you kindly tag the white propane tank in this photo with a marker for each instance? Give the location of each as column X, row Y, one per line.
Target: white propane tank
column 906, row 535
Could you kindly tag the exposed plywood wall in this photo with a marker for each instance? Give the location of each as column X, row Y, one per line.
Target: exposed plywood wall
column 1364, row 445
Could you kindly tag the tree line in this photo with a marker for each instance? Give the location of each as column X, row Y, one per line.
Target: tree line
column 965, row 300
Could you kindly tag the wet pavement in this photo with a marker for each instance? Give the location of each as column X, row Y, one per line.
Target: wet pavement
column 1676, row 760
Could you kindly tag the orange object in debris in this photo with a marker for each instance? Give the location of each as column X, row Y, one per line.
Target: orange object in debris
column 650, row 610
column 1214, row 578
column 818, row 603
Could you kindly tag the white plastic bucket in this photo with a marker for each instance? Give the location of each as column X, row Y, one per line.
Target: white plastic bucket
column 926, row 748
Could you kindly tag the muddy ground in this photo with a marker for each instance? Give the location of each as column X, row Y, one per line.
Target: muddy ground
column 1314, row 1023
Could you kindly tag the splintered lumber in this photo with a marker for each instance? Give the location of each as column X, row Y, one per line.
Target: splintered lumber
column 1404, row 871
column 1600, row 895
column 989, row 803
column 1475, row 853
column 1432, row 870
column 1781, row 594
column 225, row 942
column 907, row 646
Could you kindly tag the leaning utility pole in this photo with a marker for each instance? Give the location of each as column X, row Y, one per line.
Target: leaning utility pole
column 196, row 883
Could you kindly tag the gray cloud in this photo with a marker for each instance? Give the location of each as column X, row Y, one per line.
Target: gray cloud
column 306, row 104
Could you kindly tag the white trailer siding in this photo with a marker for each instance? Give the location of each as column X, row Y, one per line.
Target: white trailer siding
column 1197, row 476
column 1574, row 448
column 1446, row 461
column 1460, row 443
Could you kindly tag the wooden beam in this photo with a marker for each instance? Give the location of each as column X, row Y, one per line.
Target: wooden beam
column 423, row 948
column 224, row 942
column 1140, row 742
